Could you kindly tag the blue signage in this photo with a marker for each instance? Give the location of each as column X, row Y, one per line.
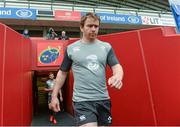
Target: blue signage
column 176, row 13
column 18, row 13
column 175, row 7
column 119, row 19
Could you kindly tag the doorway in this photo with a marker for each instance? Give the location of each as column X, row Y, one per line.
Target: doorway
column 40, row 103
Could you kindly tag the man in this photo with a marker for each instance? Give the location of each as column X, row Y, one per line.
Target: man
column 63, row 36
column 49, row 88
column 26, row 33
column 88, row 58
column 51, row 34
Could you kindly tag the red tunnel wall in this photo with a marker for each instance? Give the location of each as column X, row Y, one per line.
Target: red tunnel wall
column 162, row 56
column 156, row 62
column 2, row 32
column 150, row 94
column 16, row 91
column 132, row 104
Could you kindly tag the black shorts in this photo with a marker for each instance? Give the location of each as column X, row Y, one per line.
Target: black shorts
column 93, row 111
column 49, row 98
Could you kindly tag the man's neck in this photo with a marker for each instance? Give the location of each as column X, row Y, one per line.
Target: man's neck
column 85, row 40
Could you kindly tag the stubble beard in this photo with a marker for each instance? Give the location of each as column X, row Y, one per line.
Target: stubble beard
column 92, row 36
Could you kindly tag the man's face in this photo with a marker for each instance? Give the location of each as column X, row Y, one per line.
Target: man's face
column 26, row 31
column 90, row 29
column 63, row 33
column 51, row 76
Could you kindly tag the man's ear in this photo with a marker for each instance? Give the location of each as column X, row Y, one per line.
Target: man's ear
column 81, row 28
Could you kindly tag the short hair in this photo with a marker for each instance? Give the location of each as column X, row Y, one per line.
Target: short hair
column 50, row 73
column 89, row 15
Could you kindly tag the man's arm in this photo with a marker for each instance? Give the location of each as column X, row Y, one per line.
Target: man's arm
column 62, row 73
column 60, row 79
column 48, row 90
column 116, row 79
column 60, row 95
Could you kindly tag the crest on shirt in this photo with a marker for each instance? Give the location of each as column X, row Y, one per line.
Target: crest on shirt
column 109, row 119
column 77, row 48
column 92, row 64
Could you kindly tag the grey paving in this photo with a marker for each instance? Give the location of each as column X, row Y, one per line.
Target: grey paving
column 42, row 119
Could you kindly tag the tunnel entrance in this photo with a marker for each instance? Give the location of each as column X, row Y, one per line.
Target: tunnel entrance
column 40, row 103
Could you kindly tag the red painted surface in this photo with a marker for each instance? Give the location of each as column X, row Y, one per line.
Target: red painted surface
column 131, row 105
column 2, row 32
column 16, row 106
column 27, row 82
column 12, row 81
column 162, row 55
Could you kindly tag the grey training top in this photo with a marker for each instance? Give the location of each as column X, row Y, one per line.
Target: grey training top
column 49, row 85
column 88, row 63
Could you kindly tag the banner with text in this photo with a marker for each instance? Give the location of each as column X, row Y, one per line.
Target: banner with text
column 119, row 19
column 67, row 15
column 148, row 20
column 17, row 13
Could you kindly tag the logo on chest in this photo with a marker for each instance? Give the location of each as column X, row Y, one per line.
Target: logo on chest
column 92, row 62
column 76, row 49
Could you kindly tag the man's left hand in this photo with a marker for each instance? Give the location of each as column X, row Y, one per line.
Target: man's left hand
column 115, row 81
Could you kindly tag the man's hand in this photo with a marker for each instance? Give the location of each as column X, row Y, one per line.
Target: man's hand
column 61, row 98
column 115, row 81
column 54, row 105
